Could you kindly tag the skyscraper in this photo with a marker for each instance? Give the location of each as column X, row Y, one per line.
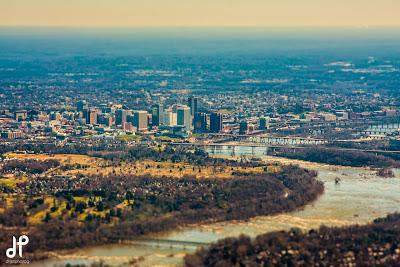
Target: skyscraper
column 216, row 122
column 264, row 123
column 183, row 117
column 140, row 120
column 169, row 118
column 200, row 122
column 157, row 113
column 243, row 128
column 193, row 104
column 92, row 117
column 82, row 105
column 121, row 116
column 105, row 119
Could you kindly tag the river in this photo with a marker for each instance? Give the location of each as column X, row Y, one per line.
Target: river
column 358, row 199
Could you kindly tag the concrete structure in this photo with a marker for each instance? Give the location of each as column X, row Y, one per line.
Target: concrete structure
column 183, row 117
column 264, row 123
column 243, row 127
column 216, row 122
column 92, row 117
column 105, row 119
column 20, row 115
column 193, row 104
column 157, row 112
column 11, row 135
column 121, row 116
column 200, row 123
column 169, row 118
column 140, row 120
column 82, row 105
column 328, row 116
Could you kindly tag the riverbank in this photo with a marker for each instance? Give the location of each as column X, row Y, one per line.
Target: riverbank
column 338, row 156
column 287, row 161
column 375, row 244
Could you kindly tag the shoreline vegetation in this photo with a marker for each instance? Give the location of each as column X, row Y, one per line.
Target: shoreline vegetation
column 333, row 156
column 375, row 244
column 66, row 204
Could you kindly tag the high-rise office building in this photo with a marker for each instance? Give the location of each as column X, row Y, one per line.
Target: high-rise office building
column 121, row 116
column 243, row 127
column 140, row 120
column 157, row 113
column 216, row 122
column 193, row 104
column 82, row 105
column 92, row 116
column 85, row 115
column 200, row 122
column 105, row 119
column 169, row 118
column 264, row 123
column 184, row 117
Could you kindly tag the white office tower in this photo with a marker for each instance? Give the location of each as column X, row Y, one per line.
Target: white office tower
column 184, row 117
column 169, row 118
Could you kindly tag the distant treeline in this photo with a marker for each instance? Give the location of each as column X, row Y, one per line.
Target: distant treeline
column 392, row 145
column 335, row 156
column 376, row 244
column 29, row 166
column 171, row 154
column 120, row 152
column 51, row 148
column 154, row 204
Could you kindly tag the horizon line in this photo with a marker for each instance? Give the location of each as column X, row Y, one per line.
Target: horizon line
column 202, row 26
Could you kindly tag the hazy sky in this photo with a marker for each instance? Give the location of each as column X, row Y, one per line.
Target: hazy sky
column 200, row 12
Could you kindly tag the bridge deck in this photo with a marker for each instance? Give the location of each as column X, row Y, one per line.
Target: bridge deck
column 168, row 242
column 282, row 146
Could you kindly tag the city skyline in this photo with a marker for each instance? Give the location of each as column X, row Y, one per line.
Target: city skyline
column 200, row 133
column 191, row 13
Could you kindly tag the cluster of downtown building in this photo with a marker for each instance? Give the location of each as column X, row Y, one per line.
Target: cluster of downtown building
column 178, row 120
column 177, row 115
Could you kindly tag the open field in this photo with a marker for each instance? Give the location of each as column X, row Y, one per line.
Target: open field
column 63, row 158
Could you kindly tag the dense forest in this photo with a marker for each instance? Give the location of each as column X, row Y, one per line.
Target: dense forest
column 391, row 145
column 383, row 145
column 336, row 156
column 150, row 205
column 28, row 166
column 376, row 244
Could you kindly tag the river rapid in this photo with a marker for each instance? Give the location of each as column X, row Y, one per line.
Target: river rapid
column 360, row 197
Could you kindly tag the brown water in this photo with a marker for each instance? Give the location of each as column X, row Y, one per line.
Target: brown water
column 358, row 199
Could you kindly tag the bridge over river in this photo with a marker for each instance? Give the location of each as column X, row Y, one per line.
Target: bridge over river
column 261, row 149
column 169, row 243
